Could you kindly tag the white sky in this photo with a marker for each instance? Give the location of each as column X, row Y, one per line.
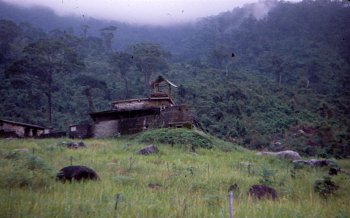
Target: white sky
column 138, row 11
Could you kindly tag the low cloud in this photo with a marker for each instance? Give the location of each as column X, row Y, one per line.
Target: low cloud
column 154, row 12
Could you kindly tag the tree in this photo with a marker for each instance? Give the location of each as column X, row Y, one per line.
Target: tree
column 42, row 60
column 89, row 83
column 122, row 62
column 108, row 34
column 149, row 57
column 84, row 30
column 222, row 57
column 8, row 32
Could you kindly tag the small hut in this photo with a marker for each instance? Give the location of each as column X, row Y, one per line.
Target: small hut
column 20, row 130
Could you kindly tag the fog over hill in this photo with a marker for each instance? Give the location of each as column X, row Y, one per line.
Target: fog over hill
column 146, row 12
column 168, row 36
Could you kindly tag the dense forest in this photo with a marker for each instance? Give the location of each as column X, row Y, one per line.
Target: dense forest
column 279, row 80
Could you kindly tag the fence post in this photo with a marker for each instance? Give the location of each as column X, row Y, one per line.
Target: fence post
column 248, row 168
column 230, row 200
column 208, row 172
column 118, row 198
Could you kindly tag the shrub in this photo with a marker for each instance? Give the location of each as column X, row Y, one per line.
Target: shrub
column 23, row 170
column 267, row 177
column 325, row 187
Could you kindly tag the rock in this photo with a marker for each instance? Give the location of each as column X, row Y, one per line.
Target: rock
column 262, row 191
column 75, row 145
column 17, row 153
column 287, row 154
column 314, row 162
column 150, row 149
column 77, row 173
column 155, row 186
column 333, row 171
column 21, row 150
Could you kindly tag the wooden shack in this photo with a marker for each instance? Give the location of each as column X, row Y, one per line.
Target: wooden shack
column 80, row 131
column 20, row 130
column 136, row 115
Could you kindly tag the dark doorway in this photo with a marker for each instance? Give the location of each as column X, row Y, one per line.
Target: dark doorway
column 35, row 132
column 26, row 131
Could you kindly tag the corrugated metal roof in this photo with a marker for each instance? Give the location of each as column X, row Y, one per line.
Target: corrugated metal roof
column 161, row 79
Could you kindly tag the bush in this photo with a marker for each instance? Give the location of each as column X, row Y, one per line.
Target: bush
column 325, row 187
column 267, row 177
column 24, row 170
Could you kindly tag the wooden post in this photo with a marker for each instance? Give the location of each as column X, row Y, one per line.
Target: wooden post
column 208, row 171
column 118, row 198
column 230, row 200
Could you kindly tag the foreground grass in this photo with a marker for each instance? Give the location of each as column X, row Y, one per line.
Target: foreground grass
column 189, row 184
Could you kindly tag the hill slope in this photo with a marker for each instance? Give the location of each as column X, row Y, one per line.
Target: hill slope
column 175, row 182
column 257, row 82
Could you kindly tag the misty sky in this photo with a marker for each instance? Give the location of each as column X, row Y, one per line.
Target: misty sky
column 138, row 11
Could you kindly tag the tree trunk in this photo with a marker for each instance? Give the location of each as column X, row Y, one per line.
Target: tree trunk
column 87, row 93
column 307, row 83
column 147, row 79
column 126, row 87
column 280, row 78
column 50, row 108
column 49, row 102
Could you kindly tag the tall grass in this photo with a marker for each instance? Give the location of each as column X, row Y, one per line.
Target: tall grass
column 188, row 184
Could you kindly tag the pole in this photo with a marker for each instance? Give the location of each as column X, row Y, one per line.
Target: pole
column 117, row 200
column 230, row 200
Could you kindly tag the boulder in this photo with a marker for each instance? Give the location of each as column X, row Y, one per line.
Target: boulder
column 21, row 150
column 75, row 145
column 333, row 171
column 314, row 162
column 150, row 149
column 287, row 154
column 262, row 191
column 155, row 186
column 76, row 173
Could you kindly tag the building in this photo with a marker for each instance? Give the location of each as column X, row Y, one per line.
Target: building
column 80, row 131
column 136, row 115
column 20, row 130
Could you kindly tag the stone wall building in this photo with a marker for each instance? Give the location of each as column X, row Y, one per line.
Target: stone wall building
column 20, row 130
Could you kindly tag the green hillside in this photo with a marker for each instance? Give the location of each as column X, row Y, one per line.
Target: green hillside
column 275, row 82
column 176, row 182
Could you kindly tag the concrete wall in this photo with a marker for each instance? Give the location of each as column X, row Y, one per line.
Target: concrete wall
column 108, row 128
column 8, row 127
column 20, row 131
column 176, row 116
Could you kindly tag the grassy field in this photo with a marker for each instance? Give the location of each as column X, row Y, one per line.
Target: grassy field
column 185, row 183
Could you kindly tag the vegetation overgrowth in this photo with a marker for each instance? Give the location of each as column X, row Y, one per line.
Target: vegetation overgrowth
column 275, row 82
column 176, row 182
